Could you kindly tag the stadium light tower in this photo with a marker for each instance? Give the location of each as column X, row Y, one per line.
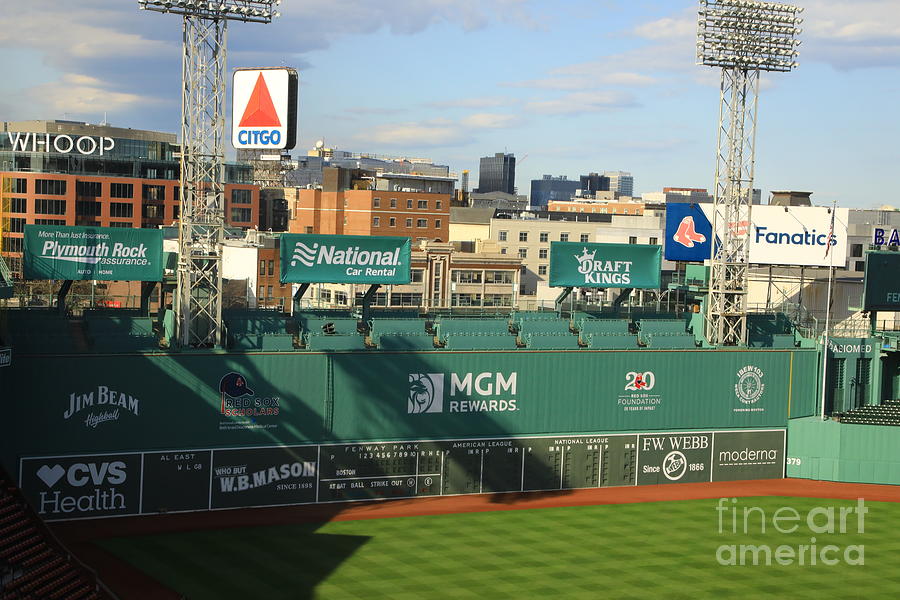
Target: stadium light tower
column 743, row 38
column 198, row 302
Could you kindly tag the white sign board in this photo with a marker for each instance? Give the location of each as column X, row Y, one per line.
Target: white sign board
column 260, row 109
column 798, row 235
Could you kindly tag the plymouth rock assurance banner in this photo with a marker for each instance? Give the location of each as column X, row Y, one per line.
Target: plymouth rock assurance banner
column 311, row 258
column 99, row 253
column 604, row 265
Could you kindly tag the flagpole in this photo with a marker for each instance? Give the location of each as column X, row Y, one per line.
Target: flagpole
column 827, row 308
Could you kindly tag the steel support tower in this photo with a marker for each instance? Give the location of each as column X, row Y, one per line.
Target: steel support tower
column 201, row 230
column 743, row 38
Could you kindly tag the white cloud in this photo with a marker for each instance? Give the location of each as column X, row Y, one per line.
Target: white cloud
column 437, row 132
column 490, row 121
column 477, row 102
column 80, row 94
column 583, row 102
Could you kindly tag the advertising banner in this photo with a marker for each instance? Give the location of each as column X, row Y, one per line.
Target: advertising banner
column 264, row 109
column 604, row 265
column 311, row 258
column 794, row 235
column 93, row 253
column 882, row 285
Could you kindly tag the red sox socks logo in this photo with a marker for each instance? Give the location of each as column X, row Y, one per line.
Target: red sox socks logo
column 687, row 234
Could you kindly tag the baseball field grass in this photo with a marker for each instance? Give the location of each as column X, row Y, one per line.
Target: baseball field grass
column 656, row 549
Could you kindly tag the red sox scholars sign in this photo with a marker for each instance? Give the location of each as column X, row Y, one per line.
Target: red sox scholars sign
column 264, row 109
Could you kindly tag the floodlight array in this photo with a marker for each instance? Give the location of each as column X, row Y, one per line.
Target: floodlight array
column 252, row 11
column 748, row 35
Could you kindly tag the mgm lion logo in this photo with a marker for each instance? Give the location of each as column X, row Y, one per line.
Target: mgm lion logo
column 426, row 393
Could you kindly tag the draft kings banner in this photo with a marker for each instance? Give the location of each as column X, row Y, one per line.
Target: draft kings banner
column 312, row 258
column 604, row 265
column 93, row 253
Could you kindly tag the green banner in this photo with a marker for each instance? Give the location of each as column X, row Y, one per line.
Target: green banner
column 604, row 265
column 882, row 287
column 93, row 253
column 310, row 258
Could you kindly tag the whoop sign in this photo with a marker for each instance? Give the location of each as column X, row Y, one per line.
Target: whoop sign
column 604, row 265
column 264, row 109
column 309, row 258
column 102, row 253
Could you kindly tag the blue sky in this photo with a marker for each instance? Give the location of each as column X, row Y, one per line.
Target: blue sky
column 576, row 86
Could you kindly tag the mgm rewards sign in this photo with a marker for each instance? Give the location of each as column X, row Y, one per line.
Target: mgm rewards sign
column 604, row 265
column 310, row 258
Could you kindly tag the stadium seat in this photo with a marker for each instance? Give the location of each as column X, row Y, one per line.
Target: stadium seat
column 406, row 341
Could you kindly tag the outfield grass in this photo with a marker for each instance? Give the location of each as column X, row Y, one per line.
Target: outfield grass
column 622, row 551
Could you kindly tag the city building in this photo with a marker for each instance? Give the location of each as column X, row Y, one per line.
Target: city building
column 621, row 182
column 611, row 206
column 549, row 189
column 362, row 202
column 469, row 224
column 790, row 198
column 72, row 173
column 497, row 174
column 593, row 183
column 674, row 195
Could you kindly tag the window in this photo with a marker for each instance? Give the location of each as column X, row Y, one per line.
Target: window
column 416, row 275
column 437, row 204
column 409, row 223
column 502, row 236
column 654, row 241
column 437, row 223
column 502, row 250
column 12, row 244
column 376, row 221
column 498, row 277
column 497, row 300
column 584, row 238
column 18, row 205
column 523, row 236
column 423, row 204
column 45, row 206
column 88, row 189
column 523, row 252
column 545, row 237
column 564, row 237
column 632, row 240
column 119, row 224
column 542, row 253
column 50, row 187
column 860, row 266
column 242, row 215
column 393, row 203
column 465, row 299
column 542, row 269
column 87, row 208
column 241, row 197
column 121, row 190
column 856, row 250
column 340, row 297
column 421, row 222
column 20, row 185
column 262, row 292
column 121, row 209
column 269, row 292
column 49, row 222
column 376, row 202
column 17, row 225
column 467, row 276
column 271, row 268
column 262, row 267
column 392, row 222
column 152, row 211
column 409, row 203
column 154, row 193
column 325, row 295
column 308, row 229
column 406, row 299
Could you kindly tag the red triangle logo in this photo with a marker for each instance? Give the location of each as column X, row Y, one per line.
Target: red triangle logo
column 260, row 111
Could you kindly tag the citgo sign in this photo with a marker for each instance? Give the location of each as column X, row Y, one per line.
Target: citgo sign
column 264, row 109
column 310, row 258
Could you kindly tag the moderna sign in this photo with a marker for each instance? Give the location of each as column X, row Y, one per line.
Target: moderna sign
column 264, row 109
column 794, row 235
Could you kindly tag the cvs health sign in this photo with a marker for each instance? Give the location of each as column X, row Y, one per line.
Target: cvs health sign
column 264, row 109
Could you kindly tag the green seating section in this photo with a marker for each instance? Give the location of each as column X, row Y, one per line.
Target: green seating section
column 112, row 333
column 390, row 313
column 778, row 340
column 588, row 325
column 447, row 327
column 669, row 341
column 559, row 326
column 608, row 341
column 480, row 341
column 335, row 326
column 397, row 340
column 664, row 326
column 550, row 341
column 383, row 326
column 259, row 330
column 38, row 332
column 321, row 342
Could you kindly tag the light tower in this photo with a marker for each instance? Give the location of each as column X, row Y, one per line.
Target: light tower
column 743, row 38
column 198, row 301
